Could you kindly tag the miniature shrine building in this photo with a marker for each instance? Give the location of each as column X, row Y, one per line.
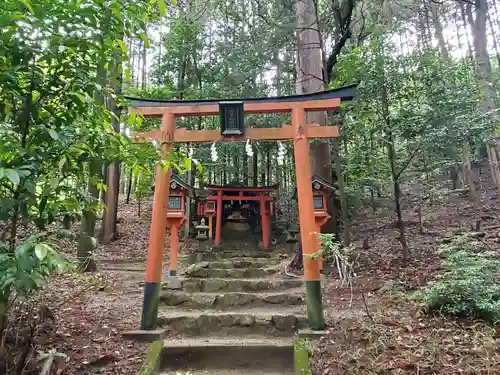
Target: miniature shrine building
column 238, row 209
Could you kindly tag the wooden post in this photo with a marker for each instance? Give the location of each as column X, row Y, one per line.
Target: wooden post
column 307, row 222
column 218, row 224
column 210, row 226
column 174, row 249
column 154, row 266
column 265, row 227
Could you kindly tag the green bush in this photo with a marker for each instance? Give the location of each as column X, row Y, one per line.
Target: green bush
column 469, row 285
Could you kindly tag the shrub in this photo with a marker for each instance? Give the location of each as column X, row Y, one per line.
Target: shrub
column 469, row 285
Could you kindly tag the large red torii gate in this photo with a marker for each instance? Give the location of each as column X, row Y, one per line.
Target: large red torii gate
column 299, row 131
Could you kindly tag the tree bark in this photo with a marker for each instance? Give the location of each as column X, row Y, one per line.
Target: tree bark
column 310, row 79
column 468, row 170
column 111, row 196
column 346, row 238
column 86, row 242
column 483, row 66
column 395, row 175
column 129, row 185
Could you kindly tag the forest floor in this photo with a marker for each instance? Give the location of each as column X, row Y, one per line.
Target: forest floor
column 394, row 336
column 388, row 333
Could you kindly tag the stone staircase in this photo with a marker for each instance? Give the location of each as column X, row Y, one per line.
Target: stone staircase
column 230, row 315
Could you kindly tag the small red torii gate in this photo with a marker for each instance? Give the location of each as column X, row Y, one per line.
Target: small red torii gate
column 299, row 131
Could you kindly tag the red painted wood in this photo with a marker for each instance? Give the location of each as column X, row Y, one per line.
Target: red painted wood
column 245, row 189
column 238, row 198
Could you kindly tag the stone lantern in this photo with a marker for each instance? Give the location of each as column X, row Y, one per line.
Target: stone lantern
column 202, row 231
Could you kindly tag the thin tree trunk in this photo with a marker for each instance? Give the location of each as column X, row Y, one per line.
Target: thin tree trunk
column 129, row 185
column 468, row 170
column 86, row 243
column 109, row 222
column 391, row 153
column 255, row 174
column 346, row 238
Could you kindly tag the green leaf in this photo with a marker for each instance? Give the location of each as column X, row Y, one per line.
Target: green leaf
column 136, row 170
column 12, row 175
column 145, row 39
column 131, row 118
column 28, row 5
column 187, row 163
column 53, row 134
column 122, row 45
column 163, row 7
column 128, row 74
column 41, row 250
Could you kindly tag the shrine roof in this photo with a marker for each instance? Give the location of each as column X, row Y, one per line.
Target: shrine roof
column 179, row 181
column 317, row 179
column 343, row 93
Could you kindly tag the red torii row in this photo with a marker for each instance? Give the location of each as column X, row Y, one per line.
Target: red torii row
column 262, row 198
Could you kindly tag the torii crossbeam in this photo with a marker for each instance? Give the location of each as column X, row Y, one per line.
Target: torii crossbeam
column 299, row 131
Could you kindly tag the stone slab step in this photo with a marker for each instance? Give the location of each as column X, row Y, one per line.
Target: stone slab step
column 228, row 254
column 236, row 285
column 242, row 263
column 228, row 356
column 283, row 321
column 202, row 270
column 222, row 301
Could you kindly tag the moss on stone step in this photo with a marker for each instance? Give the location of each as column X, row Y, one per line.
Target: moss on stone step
column 202, row 270
column 223, row 301
column 192, row 324
column 238, row 285
column 152, row 362
column 301, row 356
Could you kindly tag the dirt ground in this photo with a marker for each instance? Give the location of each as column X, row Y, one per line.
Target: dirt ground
column 392, row 335
column 380, row 332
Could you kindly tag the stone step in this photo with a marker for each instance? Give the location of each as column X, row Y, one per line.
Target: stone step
column 233, row 285
column 228, row 356
column 202, row 270
column 242, row 263
column 223, row 301
column 284, row 321
column 228, row 254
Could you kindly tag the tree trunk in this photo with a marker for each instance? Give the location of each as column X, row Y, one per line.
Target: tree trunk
column 310, row 69
column 144, row 67
column 255, row 174
column 346, row 238
column 86, row 242
column 483, row 66
column 109, row 222
column 268, row 165
column 129, row 185
column 439, row 31
column 391, row 153
column 245, row 169
column 468, row 170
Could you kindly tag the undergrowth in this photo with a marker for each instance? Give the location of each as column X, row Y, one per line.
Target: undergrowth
column 469, row 286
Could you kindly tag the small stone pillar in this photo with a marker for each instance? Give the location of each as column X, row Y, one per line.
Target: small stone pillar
column 202, row 235
column 291, row 239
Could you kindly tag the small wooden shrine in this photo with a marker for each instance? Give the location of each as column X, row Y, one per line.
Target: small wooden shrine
column 238, row 208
